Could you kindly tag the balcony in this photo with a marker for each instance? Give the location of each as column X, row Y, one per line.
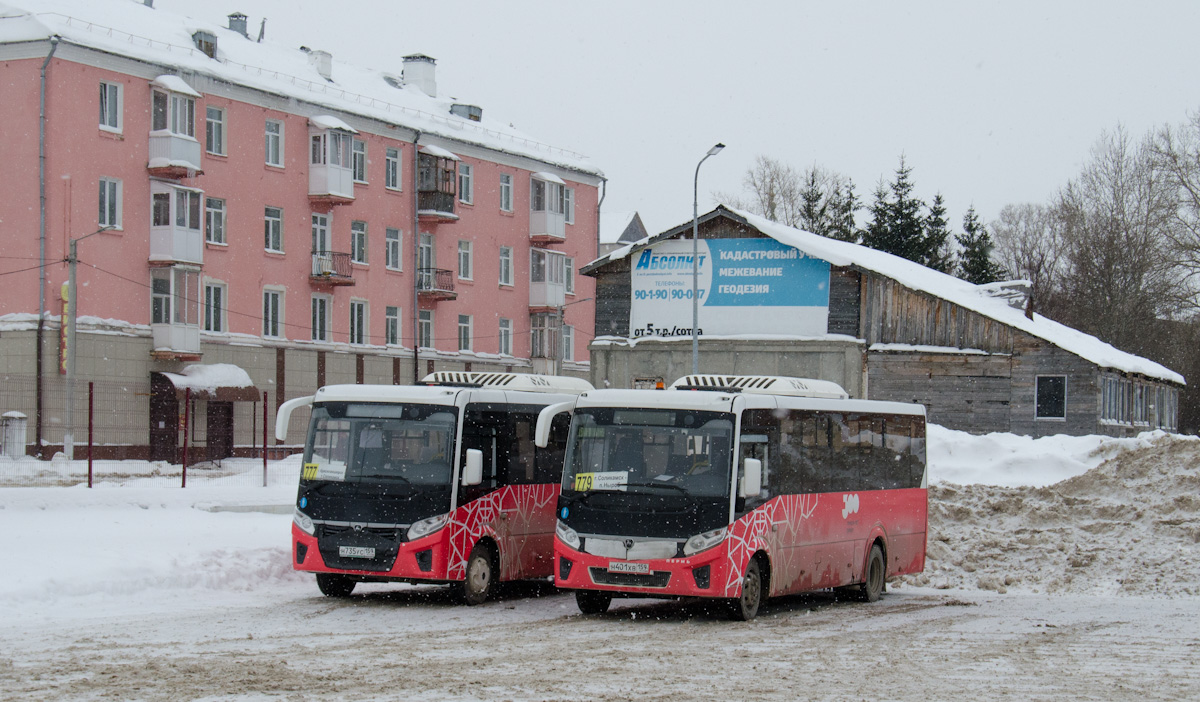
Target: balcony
column 547, row 227
column 436, row 206
column 547, row 295
column 176, row 245
column 330, row 185
column 173, row 155
column 330, row 268
column 176, row 342
column 436, row 284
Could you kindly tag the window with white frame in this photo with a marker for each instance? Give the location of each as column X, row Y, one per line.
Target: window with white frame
column 358, row 322
column 358, row 242
column 320, row 317
column 569, row 275
column 1051, row 397
column 332, row 147
column 506, row 192
column 214, row 131
column 545, row 196
column 506, row 265
column 214, row 307
column 273, row 229
column 546, row 266
column 110, row 106
column 187, row 204
column 173, row 112
column 466, row 190
column 392, row 248
column 110, row 203
column 425, row 328
column 568, row 342
column 464, row 260
column 175, row 295
column 272, row 313
column 464, row 332
column 391, row 326
column 274, row 143
column 214, row 220
column 569, row 204
column 360, row 161
column 391, row 169
column 505, row 337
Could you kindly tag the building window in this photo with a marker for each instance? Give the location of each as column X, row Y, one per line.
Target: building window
column 506, row 195
column 542, row 335
column 272, row 313
column 338, row 152
column 391, row 327
column 569, row 275
column 506, row 337
column 274, row 144
column 425, row 328
column 569, row 204
column 110, row 203
column 466, row 190
column 360, row 161
column 358, row 322
column 391, row 169
column 464, row 332
column 358, row 242
column 214, row 307
column 1052, row 397
column 175, row 296
column 545, row 196
column 568, row 342
column 392, row 247
column 506, row 265
column 187, row 209
column 546, row 267
column 214, row 131
column 320, row 318
column 175, row 113
column 273, row 229
column 110, row 106
column 214, row 220
column 464, row 260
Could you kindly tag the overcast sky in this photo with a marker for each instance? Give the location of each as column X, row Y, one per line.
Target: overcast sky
column 991, row 103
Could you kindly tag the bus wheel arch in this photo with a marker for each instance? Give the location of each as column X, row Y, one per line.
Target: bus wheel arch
column 875, row 573
column 755, row 588
column 482, row 572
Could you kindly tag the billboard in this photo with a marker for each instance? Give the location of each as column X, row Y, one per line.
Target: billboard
column 746, row 286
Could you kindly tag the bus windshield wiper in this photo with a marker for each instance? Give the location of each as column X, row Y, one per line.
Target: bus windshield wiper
column 384, row 476
column 680, row 488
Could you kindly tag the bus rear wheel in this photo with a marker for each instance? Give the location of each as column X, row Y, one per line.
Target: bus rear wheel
column 745, row 608
column 481, row 574
column 334, row 585
column 592, row 602
column 872, row 588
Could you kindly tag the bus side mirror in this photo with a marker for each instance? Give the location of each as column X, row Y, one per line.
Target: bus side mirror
column 473, row 471
column 752, row 478
column 541, row 432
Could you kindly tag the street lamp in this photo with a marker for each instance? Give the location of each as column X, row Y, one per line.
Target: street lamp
column 696, row 260
column 72, row 302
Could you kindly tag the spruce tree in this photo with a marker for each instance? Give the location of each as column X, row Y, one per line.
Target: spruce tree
column 937, row 250
column 843, row 203
column 975, row 260
column 897, row 225
column 878, row 232
column 813, row 206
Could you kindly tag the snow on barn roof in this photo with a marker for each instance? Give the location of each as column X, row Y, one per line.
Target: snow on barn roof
column 127, row 28
column 947, row 287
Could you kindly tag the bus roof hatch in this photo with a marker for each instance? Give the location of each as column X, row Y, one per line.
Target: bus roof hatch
column 526, row 382
column 764, row 385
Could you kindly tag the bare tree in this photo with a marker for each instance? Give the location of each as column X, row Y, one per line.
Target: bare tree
column 1029, row 246
column 816, row 199
column 1176, row 153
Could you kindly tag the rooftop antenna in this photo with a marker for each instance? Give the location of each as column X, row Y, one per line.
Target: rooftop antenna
column 262, row 30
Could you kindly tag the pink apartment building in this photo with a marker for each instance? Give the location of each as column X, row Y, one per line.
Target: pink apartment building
column 289, row 219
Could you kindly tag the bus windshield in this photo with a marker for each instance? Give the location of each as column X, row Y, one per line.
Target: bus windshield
column 396, row 443
column 649, row 451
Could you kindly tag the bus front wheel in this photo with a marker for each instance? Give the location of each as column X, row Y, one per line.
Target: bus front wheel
column 481, row 574
column 591, row 602
column 745, row 607
column 874, row 585
column 334, row 585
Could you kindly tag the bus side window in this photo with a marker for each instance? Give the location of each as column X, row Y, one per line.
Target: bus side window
column 549, row 466
column 480, row 432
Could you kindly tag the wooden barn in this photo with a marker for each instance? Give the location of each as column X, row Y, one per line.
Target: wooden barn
column 774, row 300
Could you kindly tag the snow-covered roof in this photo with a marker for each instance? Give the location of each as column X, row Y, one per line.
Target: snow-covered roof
column 175, row 84
column 439, row 152
column 548, row 177
column 613, row 225
column 162, row 38
column 947, row 287
column 331, row 122
column 207, row 378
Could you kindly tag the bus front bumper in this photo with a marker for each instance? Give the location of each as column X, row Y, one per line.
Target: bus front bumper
column 704, row 574
column 424, row 559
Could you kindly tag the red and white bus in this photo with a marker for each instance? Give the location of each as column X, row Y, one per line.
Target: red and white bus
column 740, row 488
column 434, row 483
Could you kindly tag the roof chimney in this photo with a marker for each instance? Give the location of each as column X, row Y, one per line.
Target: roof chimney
column 237, row 22
column 419, row 71
column 323, row 62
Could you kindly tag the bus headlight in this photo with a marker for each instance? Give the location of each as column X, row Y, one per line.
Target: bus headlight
column 425, row 527
column 303, row 521
column 705, row 541
column 566, row 534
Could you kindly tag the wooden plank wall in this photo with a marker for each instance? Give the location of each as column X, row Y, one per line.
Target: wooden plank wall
column 967, row 392
column 1033, row 357
column 844, row 308
column 894, row 314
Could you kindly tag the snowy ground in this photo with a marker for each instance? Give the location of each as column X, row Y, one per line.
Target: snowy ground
column 1058, row 568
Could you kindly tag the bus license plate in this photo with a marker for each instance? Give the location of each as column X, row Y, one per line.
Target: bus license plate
column 356, row 552
column 624, row 567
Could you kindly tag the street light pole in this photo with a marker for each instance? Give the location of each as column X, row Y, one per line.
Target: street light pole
column 696, row 260
column 72, row 306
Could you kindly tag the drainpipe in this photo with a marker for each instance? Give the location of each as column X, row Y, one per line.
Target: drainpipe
column 603, row 193
column 416, row 239
column 41, row 325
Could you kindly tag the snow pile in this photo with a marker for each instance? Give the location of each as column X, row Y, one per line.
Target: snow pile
column 208, row 377
column 1129, row 526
